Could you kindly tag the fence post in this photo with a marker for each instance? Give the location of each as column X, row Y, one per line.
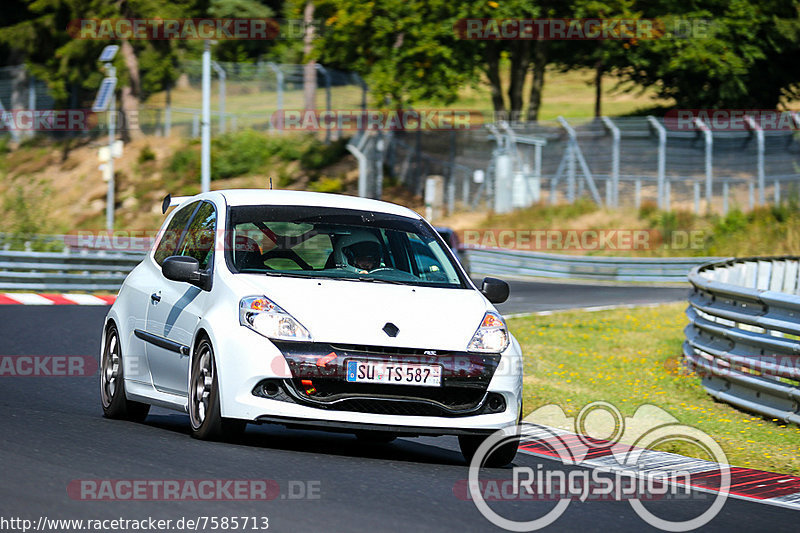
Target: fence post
column 760, row 157
column 168, row 113
column 662, row 157
column 612, row 199
column 724, row 198
column 279, row 82
column 327, row 76
column 222, row 77
column 777, row 193
column 709, row 139
column 638, row 194
column 696, row 187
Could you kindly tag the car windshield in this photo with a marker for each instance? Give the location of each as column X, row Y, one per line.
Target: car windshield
column 326, row 242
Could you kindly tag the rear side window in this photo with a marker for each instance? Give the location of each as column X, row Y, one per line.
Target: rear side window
column 199, row 239
column 172, row 234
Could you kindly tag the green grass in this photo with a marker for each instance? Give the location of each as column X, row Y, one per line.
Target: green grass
column 630, row 358
column 570, row 94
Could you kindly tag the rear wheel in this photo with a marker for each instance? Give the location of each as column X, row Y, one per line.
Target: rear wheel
column 112, row 383
column 500, row 456
column 204, row 411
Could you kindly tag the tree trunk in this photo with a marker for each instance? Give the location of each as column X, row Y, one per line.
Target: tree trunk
column 310, row 68
column 492, row 56
column 520, row 61
column 598, row 88
column 539, row 64
column 131, row 94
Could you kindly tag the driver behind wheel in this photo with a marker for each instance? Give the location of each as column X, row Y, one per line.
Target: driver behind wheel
column 361, row 251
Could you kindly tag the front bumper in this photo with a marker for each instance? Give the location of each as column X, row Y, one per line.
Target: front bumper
column 470, row 383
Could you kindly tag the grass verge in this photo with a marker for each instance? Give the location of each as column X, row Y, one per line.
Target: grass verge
column 632, row 357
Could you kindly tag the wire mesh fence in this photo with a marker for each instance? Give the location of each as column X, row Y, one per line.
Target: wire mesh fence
column 623, row 161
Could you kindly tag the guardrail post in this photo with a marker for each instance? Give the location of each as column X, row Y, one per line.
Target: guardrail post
column 612, row 193
column 709, row 168
column 759, row 157
column 662, row 157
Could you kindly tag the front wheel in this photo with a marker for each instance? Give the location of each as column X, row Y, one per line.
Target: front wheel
column 112, row 383
column 204, row 412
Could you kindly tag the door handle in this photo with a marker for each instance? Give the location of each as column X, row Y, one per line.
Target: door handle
column 155, row 297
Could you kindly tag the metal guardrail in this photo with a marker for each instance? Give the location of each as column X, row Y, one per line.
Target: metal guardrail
column 66, row 271
column 743, row 336
column 500, row 262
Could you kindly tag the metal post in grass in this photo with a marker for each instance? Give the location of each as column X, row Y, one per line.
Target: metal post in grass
column 205, row 142
column 168, row 113
column 777, row 193
column 612, row 199
column 222, row 77
column 709, row 139
column 751, row 195
column 638, row 194
column 696, row 187
column 667, row 195
column 759, row 156
column 724, row 198
column 662, row 157
column 327, row 77
column 279, row 82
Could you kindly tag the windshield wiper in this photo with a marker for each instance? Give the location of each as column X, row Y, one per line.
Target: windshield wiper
column 378, row 280
column 276, row 273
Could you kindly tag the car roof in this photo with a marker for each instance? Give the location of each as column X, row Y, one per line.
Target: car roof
column 238, row 197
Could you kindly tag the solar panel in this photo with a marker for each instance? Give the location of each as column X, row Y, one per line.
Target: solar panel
column 108, row 53
column 104, row 94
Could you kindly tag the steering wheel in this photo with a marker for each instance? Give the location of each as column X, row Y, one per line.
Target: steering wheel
column 291, row 255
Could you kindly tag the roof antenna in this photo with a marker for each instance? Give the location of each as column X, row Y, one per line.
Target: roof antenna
column 270, row 183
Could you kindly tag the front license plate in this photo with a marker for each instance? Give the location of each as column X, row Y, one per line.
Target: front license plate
column 394, row 373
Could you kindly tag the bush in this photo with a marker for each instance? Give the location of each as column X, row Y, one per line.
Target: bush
column 146, row 154
column 326, row 184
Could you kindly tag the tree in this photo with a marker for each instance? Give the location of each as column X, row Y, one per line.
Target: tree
column 739, row 54
column 42, row 36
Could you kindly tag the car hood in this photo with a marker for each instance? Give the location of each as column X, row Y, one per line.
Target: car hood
column 355, row 312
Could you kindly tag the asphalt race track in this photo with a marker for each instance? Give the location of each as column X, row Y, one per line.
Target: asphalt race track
column 532, row 296
column 53, row 433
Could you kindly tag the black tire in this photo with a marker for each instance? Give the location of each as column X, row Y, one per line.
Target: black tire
column 500, row 456
column 204, row 412
column 376, row 437
column 112, row 383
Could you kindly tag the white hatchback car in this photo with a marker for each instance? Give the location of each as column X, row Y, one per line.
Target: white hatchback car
column 310, row 310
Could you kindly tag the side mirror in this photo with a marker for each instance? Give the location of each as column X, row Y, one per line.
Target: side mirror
column 185, row 269
column 495, row 290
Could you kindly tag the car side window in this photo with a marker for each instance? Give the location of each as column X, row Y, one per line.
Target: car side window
column 199, row 239
column 172, row 234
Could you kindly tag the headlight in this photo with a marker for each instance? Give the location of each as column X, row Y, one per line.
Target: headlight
column 491, row 336
column 263, row 316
